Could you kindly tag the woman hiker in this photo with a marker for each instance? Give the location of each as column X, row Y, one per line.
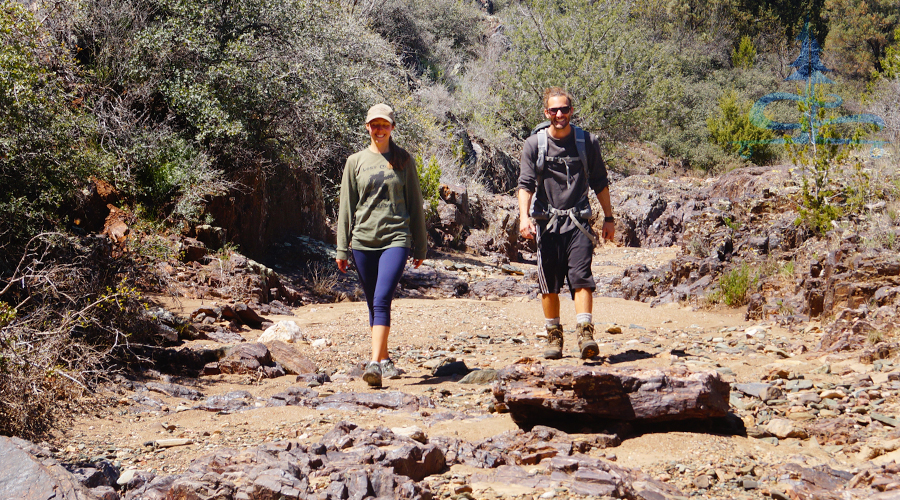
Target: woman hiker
column 381, row 222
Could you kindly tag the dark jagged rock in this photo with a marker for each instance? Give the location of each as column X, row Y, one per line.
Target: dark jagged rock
column 28, row 473
column 98, row 474
column 250, row 358
column 191, row 250
column 292, row 361
column 503, row 287
column 391, row 400
column 536, row 394
column 449, row 367
column 229, row 402
column 175, row 390
column 218, row 334
column 449, row 226
column 295, row 396
column 211, row 236
column 314, row 378
column 247, row 314
column 426, row 277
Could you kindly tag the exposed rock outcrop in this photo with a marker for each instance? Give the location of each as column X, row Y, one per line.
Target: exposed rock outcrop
column 562, row 395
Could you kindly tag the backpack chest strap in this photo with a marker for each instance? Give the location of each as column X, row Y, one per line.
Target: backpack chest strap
column 561, row 159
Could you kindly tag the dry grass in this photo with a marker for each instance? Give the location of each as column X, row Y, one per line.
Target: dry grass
column 75, row 318
column 323, row 278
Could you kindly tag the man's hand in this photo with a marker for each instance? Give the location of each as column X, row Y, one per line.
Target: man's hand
column 417, row 263
column 526, row 228
column 609, row 231
column 342, row 265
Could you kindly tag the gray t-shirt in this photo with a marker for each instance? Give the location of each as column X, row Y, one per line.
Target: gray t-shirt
column 563, row 187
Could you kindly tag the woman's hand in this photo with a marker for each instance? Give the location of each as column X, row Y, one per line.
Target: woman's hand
column 417, row 263
column 342, row 265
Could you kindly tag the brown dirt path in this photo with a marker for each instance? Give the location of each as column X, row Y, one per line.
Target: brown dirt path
column 484, row 334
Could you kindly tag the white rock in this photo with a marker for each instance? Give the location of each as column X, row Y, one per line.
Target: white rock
column 125, row 477
column 321, row 343
column 412, row 432
column 285, row 331
column 754, row 331
column 784, row 428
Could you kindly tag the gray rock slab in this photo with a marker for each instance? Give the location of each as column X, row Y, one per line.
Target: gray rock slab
column 480, row 377
column 23, row 477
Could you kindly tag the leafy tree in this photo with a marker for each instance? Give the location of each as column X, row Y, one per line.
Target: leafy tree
column 818, row 159
column 859, row 32
column 594, row 49
column 891, row 62
column 199, row 94
column 45, row 148
column 791, row 16
column 685, row 19
column 434, row 37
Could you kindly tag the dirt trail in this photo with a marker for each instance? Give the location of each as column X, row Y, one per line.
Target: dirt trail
column 484, row 334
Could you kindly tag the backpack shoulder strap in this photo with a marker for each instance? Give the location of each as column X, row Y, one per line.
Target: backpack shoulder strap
column 582, row 147
column 541, row 153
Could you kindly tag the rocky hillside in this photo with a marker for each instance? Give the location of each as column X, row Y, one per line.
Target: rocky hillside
column 256, row 393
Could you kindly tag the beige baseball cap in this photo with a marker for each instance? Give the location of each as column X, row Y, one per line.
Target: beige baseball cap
column 380, row 111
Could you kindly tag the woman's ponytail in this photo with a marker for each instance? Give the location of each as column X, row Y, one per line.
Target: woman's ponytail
column 399, row 156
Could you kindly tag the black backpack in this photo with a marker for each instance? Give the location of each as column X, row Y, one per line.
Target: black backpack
column 582, row 209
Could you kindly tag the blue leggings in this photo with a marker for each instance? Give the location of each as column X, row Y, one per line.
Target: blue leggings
column 379, row 273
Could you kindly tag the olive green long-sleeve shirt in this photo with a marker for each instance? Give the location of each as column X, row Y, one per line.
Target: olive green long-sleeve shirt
column 380, row 207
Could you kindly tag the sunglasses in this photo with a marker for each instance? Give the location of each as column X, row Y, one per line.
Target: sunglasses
column 565, row 110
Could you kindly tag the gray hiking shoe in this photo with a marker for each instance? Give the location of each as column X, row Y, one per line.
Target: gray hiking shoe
column 586, row 344
column 372, row 375
column 388, row 369
column 554, row 342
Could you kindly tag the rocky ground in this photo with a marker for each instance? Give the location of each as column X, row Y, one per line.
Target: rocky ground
column 809, row 419
column 231, row 410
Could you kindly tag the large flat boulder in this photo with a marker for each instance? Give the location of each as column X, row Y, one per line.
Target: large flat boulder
column 537, row 394
column 25, row 477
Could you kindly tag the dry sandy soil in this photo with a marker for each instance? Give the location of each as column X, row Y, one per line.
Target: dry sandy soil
column 485, row 334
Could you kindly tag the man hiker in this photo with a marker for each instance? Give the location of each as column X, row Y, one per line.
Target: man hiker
column 559, row 163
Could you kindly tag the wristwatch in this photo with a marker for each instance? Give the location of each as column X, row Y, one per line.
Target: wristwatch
column 609, row 218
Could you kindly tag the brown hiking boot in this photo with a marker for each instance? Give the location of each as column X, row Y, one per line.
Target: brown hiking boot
column 554, row 342
column 586, row 344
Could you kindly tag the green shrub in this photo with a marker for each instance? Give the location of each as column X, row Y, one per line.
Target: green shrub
column 744, row 56
column 890, row 65
column 194, row 95
column 735, row 286
column 732, row 130
column 435, row 37
column 429, row 181
column 818, row 159
column 45, row 148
